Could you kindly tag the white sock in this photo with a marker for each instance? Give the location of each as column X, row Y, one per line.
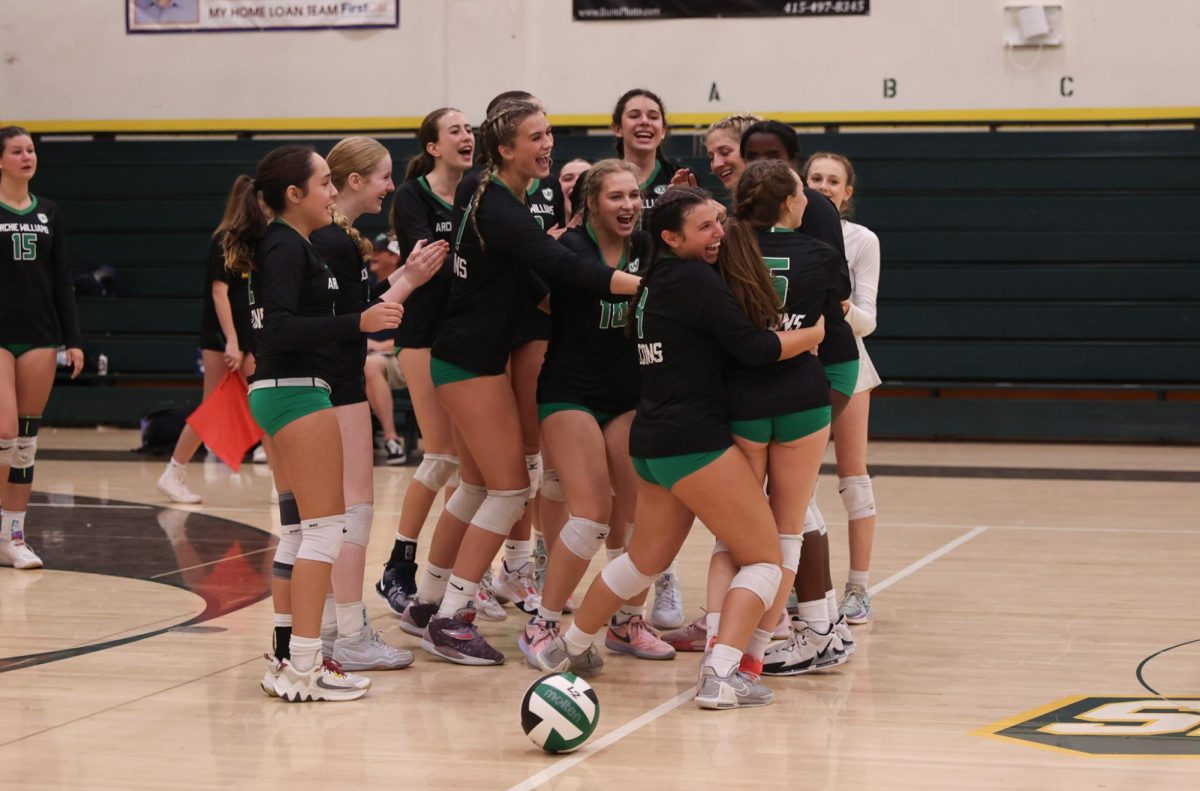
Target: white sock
column 612, row 554
column 815, row 614
column 712, row 625
column 859, row 578
column 176, row 467
column 459, row 591
column 831, row 604
column 577, row 640
column 432, row 585
column 516, row 554
column 304, row 651
column 13, row 527
column 626, row 613
column 351, row 618
column 329, row 617
column 758, row 643
column 548, row 615
column 723, row 659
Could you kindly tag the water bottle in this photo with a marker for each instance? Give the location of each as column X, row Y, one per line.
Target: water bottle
column 102, row 365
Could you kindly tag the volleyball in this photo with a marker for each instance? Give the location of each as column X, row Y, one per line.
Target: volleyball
column 560, row 712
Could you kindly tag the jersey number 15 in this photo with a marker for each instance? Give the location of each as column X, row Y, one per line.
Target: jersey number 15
column 24, row 246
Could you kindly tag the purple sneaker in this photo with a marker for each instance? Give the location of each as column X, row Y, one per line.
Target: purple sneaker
column 458, row 642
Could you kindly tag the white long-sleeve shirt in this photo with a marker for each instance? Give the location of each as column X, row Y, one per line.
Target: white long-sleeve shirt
column 862, row 255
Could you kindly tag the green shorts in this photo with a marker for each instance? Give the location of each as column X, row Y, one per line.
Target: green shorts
column 275, row 407
column 17, row 349
column 843, row 377
column 444, row 373
column 783, row 428
column 548, row 409
column 666, row 471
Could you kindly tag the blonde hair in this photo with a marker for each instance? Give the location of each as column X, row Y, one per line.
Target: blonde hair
column 734, row 124
column 359, row 155
column 593, row 181
column 499, row 129
column 847, row 208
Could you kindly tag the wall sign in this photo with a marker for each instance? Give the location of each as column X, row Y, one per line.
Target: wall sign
column 600, row 10
column 205, row 16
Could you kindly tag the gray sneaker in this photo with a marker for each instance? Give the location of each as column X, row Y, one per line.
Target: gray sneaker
column 734, row 691
column 668, row 603
column 555, row 658
column 367, row 651
column 856, row 604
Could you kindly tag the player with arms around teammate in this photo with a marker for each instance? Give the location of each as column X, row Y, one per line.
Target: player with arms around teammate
column 37, row 313
column 688, row 326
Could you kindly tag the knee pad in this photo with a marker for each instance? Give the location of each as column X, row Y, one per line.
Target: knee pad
column 321, row 539
column 858, row 496
column 552, row 486
column 7, row 446
column 761, row 579
column 435, row 470
column 790, row 545
column 583, row 537
column 24, row 450
column 533, row 462
column 465, row 501
column 454, row 480
column 285, row 552
column 501, row 510
column 624, row 579
column 358, row 523
column 719, row 547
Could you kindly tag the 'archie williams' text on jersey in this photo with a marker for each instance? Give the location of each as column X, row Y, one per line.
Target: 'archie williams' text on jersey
column 37, row 300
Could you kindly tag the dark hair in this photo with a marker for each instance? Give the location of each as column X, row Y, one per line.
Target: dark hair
column 508, row 96
column 760, row 192
column 500, row 129
column 619, row 112
column 847, row 208
column 670, row 213
column 8, row 133
column 423, row 162
column 785, row 133
column 283, row 167
column 242, row 185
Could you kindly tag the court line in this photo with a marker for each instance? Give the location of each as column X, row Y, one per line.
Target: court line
column 92, row 505
column 666, row 707
column 210, row 563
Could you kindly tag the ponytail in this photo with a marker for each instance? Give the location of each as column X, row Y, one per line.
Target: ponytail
column 740, row 263
column 365, row 248
column 499, row 129
column 250, row 207
column 423, row 162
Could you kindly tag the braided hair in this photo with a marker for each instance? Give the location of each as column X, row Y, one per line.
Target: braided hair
column 499, row 129
column 359, row 155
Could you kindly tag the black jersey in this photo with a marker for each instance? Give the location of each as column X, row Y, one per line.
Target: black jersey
column 344, row 258
column 492, row 286
column 418, row 213
column 657, row 183
column 37, row 300
column 591, row 360
column 212, row 337
column 806, row 274
column 292, row 298
column 822, row 222
column 545, row 200
column 687, row 326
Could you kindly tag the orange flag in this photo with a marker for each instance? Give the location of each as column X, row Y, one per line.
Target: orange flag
column 224, row 421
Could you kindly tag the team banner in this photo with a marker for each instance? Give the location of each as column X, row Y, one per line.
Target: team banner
column 204, row 16
column 598, row 10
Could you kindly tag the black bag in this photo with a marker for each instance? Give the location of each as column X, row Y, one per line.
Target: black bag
column 161, row 430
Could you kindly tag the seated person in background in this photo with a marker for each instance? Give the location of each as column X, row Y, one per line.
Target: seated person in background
column 381, row 369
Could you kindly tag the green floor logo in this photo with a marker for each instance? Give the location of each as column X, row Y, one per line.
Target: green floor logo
column 1109, row 726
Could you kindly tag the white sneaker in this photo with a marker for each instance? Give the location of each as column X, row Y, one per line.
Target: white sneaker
column 830, row 649
column 16, row 553
column 171, row 484
column 486, row 606
column 734, row 691
column 791, row 657
column 842, row 629
column 668, row 602
column 323, row 682
column 367, row 651
column 260, row 455
column 517, row 587
column 271, row 676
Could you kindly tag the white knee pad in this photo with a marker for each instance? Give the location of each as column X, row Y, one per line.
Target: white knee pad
column 552, row 486
column 719, row 547
column 7, row 446
column 358, row 523
column 583, row 537
column 321, row 539
column 436, row 470
column 501, row 510
column 24, row 449
column 761, row 579
column 858, row 496
column 789, row 545
column 465, row 501
column 533, row 462
column 285, row 552
column 624, row 579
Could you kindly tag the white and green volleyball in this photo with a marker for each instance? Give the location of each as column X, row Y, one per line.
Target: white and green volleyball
column 560, row 712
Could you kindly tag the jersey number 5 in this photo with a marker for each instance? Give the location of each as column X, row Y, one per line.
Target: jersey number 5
column 781, row 283
column 24, row 246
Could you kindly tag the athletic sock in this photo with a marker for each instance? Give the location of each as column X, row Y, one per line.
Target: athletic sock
column 613, row 554
column 831, row 604
column 577, row 640
column 712, row 625
column 13, row 525
column 625, row 614
column 351, row 618
column 516, row 554
column 304, row 652
column 548, row 615
column 723, row 659
column 759, row 641
column 859, row 578
column 459, row 592
column 404, row 550
column 432, row 585
column 282, row 636
column 815, row 614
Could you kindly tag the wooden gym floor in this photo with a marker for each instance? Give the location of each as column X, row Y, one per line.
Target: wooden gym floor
column 1023, row 594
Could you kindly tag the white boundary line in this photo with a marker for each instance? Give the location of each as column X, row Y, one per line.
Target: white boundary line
column 210, row 563
column 666, row 707
column 92, row 505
